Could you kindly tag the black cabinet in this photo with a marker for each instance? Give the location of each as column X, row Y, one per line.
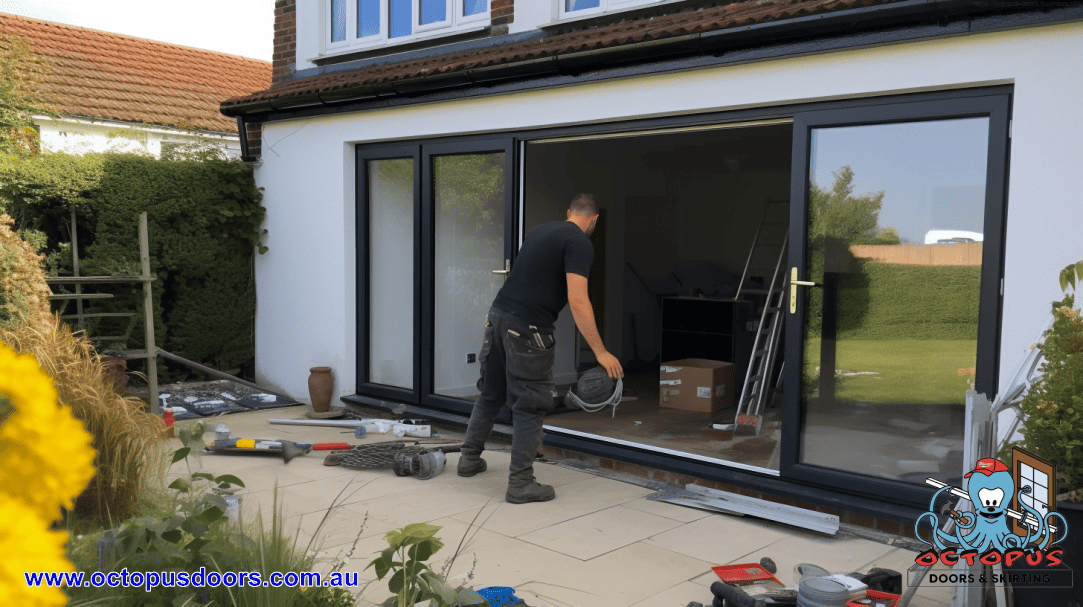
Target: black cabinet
column 715, row 329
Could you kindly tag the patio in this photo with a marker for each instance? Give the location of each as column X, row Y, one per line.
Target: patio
column 600, row 543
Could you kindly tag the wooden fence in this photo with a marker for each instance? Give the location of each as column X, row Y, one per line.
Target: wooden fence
column 955, row 254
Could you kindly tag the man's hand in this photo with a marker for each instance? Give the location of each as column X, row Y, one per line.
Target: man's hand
column 611, row 365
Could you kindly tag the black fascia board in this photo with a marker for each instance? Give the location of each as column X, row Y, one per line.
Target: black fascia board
column 805, row 35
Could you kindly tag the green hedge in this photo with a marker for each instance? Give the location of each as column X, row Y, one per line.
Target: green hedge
column 891, row 301
column 203, row 219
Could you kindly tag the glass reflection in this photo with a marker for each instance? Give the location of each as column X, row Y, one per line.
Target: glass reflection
column 391, row 264
column 896, row 216
column 469, row 195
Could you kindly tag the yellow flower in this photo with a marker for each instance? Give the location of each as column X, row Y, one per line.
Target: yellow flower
column 45, row 455
column 26, row 545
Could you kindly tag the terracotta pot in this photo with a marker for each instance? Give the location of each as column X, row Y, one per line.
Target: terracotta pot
column 320, row 382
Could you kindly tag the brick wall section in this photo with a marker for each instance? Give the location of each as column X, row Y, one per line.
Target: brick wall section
column 285, row 39
column 680, row 480
column 502, row 12
column 255, row 135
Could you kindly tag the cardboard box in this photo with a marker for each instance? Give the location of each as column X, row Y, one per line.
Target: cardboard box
column 696, row 384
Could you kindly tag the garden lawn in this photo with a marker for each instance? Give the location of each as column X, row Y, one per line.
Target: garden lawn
column 910, row 371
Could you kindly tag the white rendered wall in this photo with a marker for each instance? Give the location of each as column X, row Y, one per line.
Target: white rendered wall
column 80, row 136
column 305, row 283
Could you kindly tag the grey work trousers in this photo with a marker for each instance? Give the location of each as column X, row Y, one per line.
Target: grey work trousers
column 514, row 369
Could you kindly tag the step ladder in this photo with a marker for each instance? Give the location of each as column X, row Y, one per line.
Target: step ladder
column 774, row 228
column 765, row 348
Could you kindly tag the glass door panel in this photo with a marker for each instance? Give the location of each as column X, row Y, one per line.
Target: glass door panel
column 896, row 223
column 469, row 194
column 390, row 271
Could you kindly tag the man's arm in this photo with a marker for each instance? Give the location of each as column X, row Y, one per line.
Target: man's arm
column 583, row 312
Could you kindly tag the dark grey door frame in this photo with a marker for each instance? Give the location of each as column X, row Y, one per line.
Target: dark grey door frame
column 997, row 108
column 422, row 392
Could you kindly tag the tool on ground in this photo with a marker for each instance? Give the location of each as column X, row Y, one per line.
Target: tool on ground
column 501, row 596
column 596, row 392
column 225, row 443
column 423, row 461
column 424, row 465
column 326, row 446
column 731, row 503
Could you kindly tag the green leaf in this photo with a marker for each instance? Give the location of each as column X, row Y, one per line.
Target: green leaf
column 467, row 596
column 210, row 515
column 196, row 544
column 173, row 535
column 229, row 478
column 420, row 530
column 203, row 475
column 185, row 600
column 195, row 527
column 181, row 484
column 180, row 454
column 423, row 550
column 397, row 581
column 382, row 567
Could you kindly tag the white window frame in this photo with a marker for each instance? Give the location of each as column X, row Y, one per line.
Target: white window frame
column 604, row 6
column 449, row 10
column 455, row 23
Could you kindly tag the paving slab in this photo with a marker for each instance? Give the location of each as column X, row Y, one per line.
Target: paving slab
column 600, row 543
column 619, row 578
column 573, row 500
column 592, row 535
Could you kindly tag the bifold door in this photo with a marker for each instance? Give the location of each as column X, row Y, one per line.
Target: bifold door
column 893, row 297
column 434, row 245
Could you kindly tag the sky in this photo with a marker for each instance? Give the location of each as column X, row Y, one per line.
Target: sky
column 237, row 27
column 933, row 174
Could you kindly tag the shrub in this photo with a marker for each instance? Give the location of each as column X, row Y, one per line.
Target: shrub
column 195, row 533
column 126, row 438
column 894, row 301
column 1054, row 406
column 24, row 294
column 204, row 220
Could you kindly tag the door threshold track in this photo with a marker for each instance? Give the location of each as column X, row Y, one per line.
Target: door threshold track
column 663, row 450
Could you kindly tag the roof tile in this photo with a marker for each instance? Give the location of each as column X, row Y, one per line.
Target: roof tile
column 112, row 76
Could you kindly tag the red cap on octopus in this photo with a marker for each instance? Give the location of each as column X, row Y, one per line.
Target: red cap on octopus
column 988, row 466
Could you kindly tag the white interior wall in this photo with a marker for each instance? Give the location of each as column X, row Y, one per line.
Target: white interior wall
column 305, row 282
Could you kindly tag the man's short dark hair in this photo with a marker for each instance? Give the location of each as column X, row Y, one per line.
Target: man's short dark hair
column 584, row 204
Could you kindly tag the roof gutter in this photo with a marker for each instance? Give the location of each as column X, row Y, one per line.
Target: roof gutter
column 713, row 43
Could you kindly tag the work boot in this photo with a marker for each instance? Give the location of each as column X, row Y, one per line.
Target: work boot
column 534, row 492
column 469, row 466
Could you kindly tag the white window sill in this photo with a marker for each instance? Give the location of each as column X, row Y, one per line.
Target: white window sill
column 574, row 18
column 402, row 41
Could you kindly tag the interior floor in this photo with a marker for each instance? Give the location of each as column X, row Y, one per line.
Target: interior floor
column 639, row 419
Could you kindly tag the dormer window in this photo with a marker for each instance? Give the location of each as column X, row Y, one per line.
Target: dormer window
column 353, row 24
column 573, row 9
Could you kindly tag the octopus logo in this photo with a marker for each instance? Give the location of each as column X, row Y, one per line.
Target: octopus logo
column 992, row 531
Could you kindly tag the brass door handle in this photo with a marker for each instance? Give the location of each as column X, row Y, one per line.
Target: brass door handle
column 794, row 283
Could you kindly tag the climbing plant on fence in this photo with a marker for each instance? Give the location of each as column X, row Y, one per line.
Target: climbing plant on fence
column 204, row 223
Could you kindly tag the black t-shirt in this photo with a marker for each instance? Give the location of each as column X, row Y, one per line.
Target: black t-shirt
column 537, row 288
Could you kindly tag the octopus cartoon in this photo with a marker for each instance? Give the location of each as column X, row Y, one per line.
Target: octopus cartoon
column 990, row 487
